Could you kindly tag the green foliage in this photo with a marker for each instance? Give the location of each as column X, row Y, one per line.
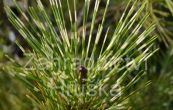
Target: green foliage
column 159, row 95
column 161, row 14
column 52, row 74
column 12, row 94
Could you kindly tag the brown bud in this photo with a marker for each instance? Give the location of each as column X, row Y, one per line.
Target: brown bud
column 83, row 74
